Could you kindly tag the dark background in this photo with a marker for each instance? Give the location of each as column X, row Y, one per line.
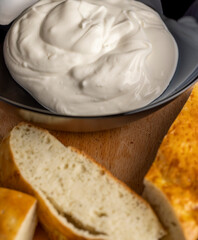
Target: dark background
column 174, row 8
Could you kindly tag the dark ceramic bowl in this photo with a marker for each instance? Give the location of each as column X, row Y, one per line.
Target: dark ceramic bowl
column 24, row 104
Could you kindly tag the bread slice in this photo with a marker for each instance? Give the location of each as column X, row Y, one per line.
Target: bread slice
column 18, row 217
column 77, row 198
column 171, row 185
column 40, row 234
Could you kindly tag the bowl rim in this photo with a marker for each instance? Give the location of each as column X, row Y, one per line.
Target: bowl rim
column 150, row 106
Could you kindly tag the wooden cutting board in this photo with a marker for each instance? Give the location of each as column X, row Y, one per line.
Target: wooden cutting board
column 127, row 151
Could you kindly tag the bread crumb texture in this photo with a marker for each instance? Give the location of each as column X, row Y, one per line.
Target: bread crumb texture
column 175, row 169
column 80, row 194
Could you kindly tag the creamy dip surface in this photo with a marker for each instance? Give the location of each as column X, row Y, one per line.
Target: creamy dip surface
column 91, row 57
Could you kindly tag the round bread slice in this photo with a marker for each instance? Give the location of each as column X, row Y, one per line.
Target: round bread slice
column 18, row 217
column 171, row 185
column 77, row 198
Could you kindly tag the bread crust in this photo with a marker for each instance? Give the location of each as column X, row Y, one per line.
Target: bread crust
column 12, row 178
column 12, row 216
column 175, row 169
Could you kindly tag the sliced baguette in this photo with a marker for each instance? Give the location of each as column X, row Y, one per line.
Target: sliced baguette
column 171, row 185
column 18, row 217
column 77, row 198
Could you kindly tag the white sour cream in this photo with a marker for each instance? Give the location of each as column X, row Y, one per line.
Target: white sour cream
column 91, row 57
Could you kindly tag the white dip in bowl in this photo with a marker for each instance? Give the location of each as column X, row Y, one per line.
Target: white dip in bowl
column 91, row 57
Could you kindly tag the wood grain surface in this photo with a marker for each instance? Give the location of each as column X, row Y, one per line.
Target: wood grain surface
column 127, row 151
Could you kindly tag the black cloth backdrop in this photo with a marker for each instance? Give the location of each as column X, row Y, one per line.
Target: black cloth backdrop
column 175, row 8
